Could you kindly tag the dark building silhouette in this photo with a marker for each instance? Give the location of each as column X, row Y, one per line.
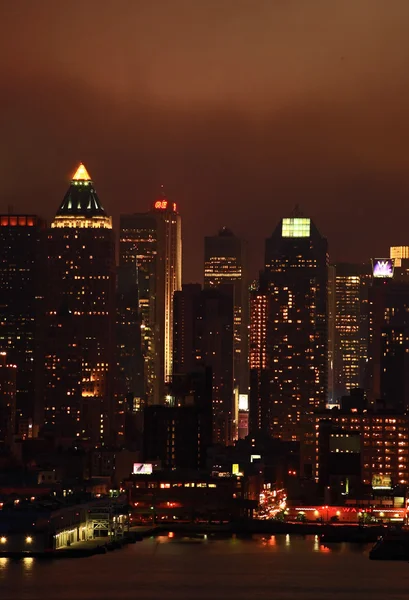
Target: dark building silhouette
column 22, row 265
column 80, row 318
column 180, row 434
column 8, row 393
column 129, row 385
column 389, row 343
column 296, row 262
column 225, row 263
column 153, row 240
column 203, row 336
column 348, row 330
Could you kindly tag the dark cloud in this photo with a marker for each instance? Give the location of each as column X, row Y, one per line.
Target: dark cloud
column 241, row 108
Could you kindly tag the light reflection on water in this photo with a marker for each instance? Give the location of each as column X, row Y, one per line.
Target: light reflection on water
column 3, row 562
column 162, row 568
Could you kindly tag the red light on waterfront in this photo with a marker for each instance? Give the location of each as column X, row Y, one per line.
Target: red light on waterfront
column 171, row 534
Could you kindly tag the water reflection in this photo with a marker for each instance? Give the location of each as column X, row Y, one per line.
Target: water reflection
column 318, row 547
column 28, row 562
column 3, row 563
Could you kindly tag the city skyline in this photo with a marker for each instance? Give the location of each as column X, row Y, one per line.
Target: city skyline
column 385, row 252
column 245, row 111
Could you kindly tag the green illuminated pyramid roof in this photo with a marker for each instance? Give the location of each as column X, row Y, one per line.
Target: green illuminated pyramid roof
column 81, row 199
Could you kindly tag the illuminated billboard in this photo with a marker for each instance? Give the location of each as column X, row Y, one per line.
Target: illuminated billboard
column 381, row 482
column 383, row 267
column 142, row 469
column 243, row 401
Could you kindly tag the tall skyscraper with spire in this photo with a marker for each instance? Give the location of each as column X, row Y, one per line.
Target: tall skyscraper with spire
column 296, row 272
column 153, row 241
column 80, row 317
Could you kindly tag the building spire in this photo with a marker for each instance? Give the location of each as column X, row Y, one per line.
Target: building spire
column 297, row 212
column 81, row 174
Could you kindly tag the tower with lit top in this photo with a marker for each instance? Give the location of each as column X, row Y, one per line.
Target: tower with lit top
column 80, row 317
column 169, row 275
column 296, row 275
column 153, row 240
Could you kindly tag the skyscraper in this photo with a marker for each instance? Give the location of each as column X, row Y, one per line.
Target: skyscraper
column 7, row 399
column 138, row 246
column 153, row 241
column 296, row 262
column 348, row 288
column 225, row 263
column 22, row 265
column 80, row 317
column 388, row 353
column 203, row 336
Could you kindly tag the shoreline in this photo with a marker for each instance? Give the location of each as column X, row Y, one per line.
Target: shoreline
column 329, row 533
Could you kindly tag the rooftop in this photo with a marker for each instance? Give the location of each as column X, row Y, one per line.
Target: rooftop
column 81, row 206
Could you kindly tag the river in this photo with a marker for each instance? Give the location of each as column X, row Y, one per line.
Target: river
column 274, row 568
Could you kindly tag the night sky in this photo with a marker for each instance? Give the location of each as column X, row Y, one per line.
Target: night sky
column 242, row 109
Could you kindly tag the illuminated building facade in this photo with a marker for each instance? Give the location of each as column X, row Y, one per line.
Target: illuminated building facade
column 388, row 362
column 225, row 263
column 80, row 317
column 8, row 392
column 259, row 405
column 22, row 265
column 153, row 241
column 138, row 245
column 296, row 263
column 203, row 336
column 259, row 314
column 383, row 443
column 348, row 328
column 399, row 253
